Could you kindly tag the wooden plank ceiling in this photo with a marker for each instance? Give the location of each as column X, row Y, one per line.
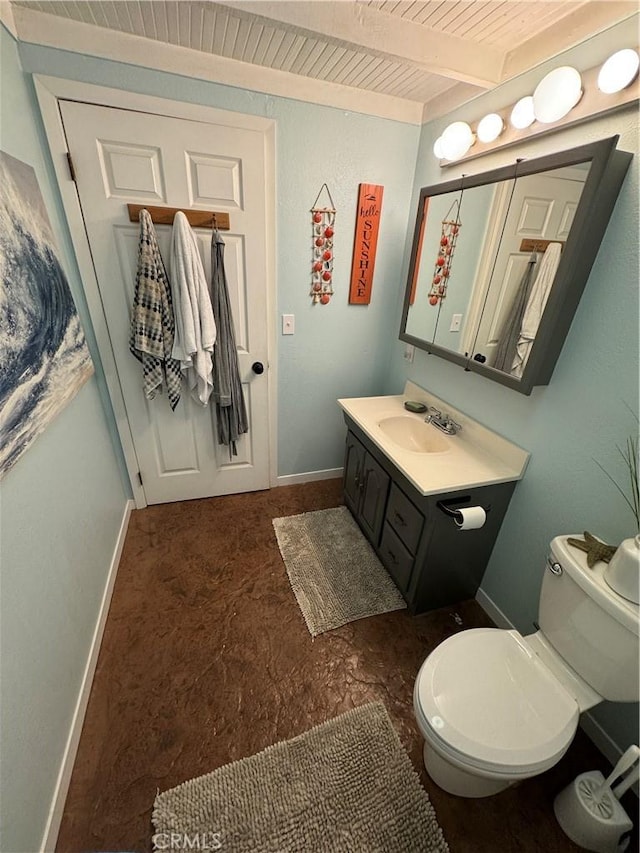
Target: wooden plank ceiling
column 428, row 52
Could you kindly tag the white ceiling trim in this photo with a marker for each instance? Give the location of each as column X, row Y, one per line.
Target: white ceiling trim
column 65, row 34
column 360, row 27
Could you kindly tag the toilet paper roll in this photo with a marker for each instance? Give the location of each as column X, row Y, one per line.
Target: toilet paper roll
column 473, row 517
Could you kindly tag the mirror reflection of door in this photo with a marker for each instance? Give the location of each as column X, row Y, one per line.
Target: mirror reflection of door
column 541, row 211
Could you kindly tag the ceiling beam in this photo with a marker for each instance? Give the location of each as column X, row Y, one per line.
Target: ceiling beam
column 448, row 101
column 364, row 29
column 77, row 37
column 591, row 18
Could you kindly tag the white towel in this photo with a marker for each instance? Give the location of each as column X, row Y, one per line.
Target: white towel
column 535, row 307
column 195, row 326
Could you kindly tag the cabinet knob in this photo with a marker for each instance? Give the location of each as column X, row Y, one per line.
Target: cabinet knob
column 400, row 519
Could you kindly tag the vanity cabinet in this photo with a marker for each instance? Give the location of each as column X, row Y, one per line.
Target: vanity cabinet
column 366, row 485
column 432, row 562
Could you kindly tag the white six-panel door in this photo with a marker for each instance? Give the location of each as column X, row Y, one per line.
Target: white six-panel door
column 123, row 156
column 542, row 207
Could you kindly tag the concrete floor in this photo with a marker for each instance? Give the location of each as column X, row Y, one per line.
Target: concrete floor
column 206, row 659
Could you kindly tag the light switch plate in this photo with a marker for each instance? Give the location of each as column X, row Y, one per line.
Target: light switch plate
column 456, row 321
column 288, row 324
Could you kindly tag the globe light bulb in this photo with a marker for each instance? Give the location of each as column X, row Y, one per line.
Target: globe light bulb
column 457, row 139
column 522, row 114
column 618, row 71
column 490, row 127
column 438, row 149
column 557, row 94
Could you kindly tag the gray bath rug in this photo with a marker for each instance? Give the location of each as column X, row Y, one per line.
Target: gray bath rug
column 334, row 572
column 346, row 786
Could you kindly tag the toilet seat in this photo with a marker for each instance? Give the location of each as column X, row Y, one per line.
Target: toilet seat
column 483, row 698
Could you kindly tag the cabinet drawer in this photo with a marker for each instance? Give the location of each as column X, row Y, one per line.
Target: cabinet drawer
column 406, row 520
column 397, row 560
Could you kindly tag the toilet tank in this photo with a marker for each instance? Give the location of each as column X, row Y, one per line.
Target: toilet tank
column 590, row 626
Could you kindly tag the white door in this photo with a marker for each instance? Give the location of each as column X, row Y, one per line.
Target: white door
column 123, row 156
column 542, row 207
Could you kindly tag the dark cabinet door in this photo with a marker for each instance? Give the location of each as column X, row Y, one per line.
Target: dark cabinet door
column 375, row 487
column 366, row 486
column 353, row 463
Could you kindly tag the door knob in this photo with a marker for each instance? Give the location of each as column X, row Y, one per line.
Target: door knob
column 257, row 367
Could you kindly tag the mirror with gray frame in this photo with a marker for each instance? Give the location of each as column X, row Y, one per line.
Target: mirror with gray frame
column 500, row 259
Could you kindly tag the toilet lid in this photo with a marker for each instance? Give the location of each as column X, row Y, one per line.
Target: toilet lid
column 485, row 695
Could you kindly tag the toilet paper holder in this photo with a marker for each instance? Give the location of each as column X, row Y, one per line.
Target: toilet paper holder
column 448, row 509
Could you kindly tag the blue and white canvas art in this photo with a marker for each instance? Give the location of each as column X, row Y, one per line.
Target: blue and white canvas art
column 44, row 359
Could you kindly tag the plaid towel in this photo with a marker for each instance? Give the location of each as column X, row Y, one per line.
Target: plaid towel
column 152, row 321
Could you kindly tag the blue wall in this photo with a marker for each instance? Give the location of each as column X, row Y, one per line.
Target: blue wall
column 581, row 415
column 338, row 350
column 62, row 506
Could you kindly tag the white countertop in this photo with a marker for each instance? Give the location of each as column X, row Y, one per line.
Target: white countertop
column 476, row 456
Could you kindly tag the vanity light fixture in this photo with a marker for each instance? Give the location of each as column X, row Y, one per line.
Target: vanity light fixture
column 456, row 140
column 490, row 127
column 522, row 114
column 557, row 94
column 619, row 71
column 563, row 98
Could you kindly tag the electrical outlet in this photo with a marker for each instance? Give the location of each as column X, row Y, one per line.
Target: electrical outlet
column 408, row 352
column 456, row 321
column 288, row 324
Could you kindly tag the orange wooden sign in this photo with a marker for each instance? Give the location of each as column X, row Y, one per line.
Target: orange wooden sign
column 365, row 243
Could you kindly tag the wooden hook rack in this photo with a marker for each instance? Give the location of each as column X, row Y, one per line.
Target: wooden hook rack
column 529, row 245
column 197, row 218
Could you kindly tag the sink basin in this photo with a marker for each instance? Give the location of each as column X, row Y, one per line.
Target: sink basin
column 413, row 434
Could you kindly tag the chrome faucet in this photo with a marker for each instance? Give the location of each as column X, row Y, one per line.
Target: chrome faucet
column 443, row 421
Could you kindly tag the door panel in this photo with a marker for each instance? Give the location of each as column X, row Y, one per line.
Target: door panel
column 121, row 157
column 542, row 208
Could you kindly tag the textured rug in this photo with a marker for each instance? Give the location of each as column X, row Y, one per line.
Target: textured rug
column 334, row 572
column 345, row 786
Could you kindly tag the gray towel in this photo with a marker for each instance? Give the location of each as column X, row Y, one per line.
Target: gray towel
column 510, row 332
column 152, row 321
column 231, row 413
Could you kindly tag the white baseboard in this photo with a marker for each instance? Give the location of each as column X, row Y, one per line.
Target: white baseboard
column 594, row 731
column 64, row 776
column 308, row 477
column 590, row 726
column 493, row 611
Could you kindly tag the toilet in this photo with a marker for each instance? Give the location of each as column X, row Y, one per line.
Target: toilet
column 495, row 707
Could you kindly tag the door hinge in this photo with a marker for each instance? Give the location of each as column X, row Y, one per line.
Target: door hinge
column 72, row 171
column 139, row 477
